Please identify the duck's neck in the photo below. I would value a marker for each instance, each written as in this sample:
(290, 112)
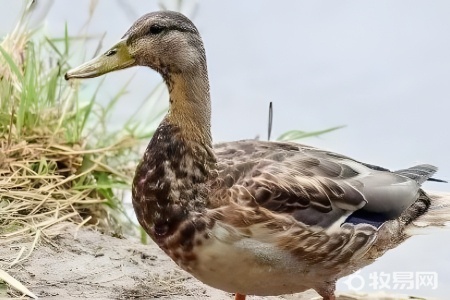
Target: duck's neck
(170, 180)
(190, 105)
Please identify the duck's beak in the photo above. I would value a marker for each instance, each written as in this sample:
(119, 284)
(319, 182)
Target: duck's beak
(116, 58)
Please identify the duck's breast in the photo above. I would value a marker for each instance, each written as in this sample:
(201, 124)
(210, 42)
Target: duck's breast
(233, 262)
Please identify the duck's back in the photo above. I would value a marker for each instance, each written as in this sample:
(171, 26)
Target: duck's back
(314, 186)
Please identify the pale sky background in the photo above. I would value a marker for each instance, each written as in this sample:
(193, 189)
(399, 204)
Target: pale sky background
(380, 67)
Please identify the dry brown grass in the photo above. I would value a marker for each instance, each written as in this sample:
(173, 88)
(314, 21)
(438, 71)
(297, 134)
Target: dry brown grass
(43, 183)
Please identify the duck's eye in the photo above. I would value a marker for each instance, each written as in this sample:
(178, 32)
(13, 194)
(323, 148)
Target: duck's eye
(155, 29)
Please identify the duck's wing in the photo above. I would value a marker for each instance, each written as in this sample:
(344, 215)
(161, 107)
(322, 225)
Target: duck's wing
(316, 187)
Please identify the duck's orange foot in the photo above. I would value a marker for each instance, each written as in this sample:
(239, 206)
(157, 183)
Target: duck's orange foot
(239, 297)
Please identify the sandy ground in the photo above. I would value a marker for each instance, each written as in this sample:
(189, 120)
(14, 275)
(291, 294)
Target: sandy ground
(86, 264)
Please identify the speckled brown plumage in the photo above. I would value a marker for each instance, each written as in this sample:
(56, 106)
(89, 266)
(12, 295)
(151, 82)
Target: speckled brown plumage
(255, 217)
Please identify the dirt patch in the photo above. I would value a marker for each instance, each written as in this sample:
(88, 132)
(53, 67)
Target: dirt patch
(85, 264)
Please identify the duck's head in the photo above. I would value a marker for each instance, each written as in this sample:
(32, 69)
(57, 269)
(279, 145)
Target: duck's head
(166, 41)
(169, 43)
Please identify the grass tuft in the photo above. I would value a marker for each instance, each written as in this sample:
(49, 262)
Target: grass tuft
(59, 161)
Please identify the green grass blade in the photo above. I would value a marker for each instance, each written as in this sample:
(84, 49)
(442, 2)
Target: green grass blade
(14, 68)
(293, 135)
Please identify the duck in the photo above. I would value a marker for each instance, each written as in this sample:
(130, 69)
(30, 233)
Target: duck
(255, 217)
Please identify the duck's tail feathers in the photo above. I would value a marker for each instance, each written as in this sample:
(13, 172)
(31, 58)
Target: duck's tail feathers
(419, 173)
(437, 215)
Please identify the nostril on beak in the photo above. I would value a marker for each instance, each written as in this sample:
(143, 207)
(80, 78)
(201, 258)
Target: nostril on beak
(111, 52)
